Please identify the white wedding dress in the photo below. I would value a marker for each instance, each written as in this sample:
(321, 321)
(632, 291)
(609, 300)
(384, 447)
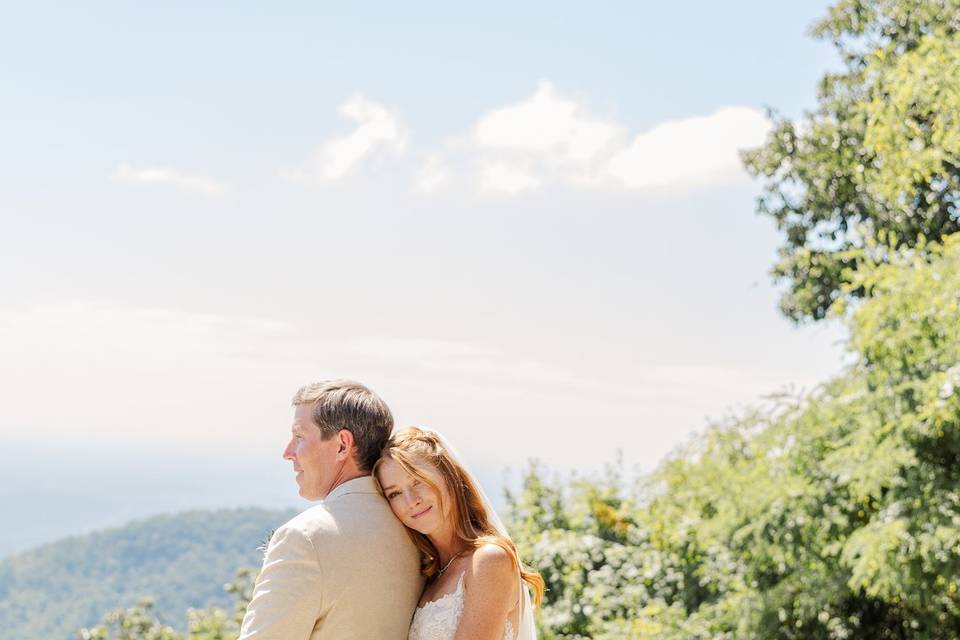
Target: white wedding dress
(438, 619)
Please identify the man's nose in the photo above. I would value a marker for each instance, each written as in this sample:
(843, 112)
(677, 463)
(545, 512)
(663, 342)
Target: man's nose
(288, 451)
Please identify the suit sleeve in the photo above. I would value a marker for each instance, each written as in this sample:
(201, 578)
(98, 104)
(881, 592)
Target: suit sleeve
(286, 600)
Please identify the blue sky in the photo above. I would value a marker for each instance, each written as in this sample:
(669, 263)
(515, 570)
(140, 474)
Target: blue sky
(524, 226)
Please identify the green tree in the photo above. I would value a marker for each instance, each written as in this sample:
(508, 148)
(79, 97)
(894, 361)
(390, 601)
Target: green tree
(141, 623)
(878, 159)
(837, 515)
(832, 515)
(583, 537)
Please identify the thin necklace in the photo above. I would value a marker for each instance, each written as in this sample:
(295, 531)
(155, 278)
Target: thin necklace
(440, 573)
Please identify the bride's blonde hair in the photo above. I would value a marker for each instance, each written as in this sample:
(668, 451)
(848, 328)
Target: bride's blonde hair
(412, 448)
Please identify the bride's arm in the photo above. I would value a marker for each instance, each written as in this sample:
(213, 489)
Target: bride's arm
(491, 592)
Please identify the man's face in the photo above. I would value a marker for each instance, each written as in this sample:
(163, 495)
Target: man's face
(314, 459)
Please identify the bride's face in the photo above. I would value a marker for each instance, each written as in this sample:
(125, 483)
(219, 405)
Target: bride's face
(415, 503)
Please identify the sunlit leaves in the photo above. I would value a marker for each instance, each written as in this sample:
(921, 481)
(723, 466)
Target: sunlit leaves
(878, 159)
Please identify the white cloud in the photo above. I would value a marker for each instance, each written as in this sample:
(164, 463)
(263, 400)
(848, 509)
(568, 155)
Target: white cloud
(377, 129)
(432, 175)
(509, 179)
(692, 152)
(548, 125)
(548, 139)
(165, 175)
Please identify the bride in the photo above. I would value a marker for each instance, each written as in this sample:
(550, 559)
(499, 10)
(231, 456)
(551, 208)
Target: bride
(476, 586)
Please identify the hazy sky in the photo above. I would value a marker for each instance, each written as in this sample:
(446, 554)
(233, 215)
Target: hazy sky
(524, 226)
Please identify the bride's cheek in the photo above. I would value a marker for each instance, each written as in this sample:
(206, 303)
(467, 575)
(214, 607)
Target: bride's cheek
(393, 508)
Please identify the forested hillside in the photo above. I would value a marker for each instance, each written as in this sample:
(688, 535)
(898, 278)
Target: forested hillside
(181, 561)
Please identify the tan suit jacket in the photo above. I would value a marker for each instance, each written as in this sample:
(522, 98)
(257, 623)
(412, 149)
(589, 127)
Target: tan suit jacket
(344, 569)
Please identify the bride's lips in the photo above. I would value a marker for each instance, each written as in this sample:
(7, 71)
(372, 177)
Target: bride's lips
(417, 515)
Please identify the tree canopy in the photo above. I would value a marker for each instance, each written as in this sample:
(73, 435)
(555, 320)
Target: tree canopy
(827, 516)
(877, 160)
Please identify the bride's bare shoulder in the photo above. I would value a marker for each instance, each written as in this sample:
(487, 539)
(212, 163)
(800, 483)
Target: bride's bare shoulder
(491, 588)
(491, 566)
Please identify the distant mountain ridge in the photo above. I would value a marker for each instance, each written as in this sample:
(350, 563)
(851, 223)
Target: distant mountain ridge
(181, 560)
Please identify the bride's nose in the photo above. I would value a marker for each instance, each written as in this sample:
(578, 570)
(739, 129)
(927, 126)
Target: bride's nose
(413, 498)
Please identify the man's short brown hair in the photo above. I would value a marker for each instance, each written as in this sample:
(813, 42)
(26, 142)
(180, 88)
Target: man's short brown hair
(345, 404)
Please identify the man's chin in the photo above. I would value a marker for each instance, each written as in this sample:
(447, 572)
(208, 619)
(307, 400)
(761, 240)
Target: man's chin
(306, 494)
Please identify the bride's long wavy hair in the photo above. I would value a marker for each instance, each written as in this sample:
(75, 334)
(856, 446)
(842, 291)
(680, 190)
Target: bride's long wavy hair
(412, 448)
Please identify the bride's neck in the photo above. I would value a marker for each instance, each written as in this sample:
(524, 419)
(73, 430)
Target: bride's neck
(447, 546)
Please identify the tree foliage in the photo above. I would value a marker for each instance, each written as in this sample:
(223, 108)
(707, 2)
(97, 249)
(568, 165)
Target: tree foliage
(213, 623)
(832, 515)
(878, 159)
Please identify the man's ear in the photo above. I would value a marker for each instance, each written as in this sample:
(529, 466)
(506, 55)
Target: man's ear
(346, 443)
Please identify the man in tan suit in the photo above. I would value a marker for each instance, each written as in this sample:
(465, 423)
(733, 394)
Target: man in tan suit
(344, 569)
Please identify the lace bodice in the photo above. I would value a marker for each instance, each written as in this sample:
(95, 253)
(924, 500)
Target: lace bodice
(438, 619)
